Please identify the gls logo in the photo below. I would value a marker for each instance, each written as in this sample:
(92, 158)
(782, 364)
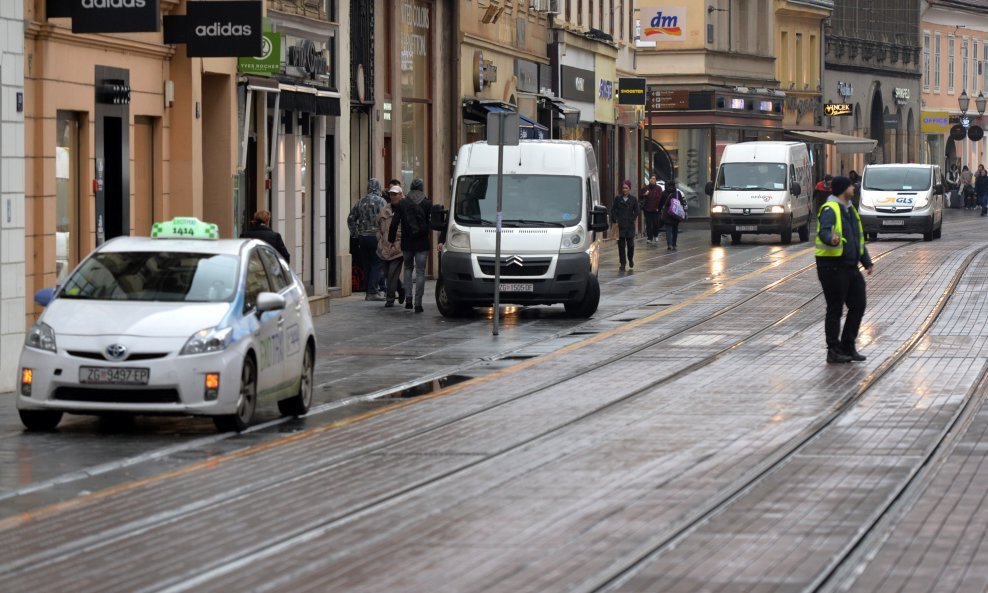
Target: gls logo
(217, 29)
(113, 3)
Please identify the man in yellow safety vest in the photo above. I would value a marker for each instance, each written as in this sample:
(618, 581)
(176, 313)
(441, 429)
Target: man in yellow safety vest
(840, 250)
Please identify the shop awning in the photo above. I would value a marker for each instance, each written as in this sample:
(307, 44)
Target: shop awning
(306, 99)
(477, 110)
(570, 114)
(531, 130)
(845, 144)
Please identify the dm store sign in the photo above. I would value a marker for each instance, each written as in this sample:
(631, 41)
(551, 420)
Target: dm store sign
(664, 23)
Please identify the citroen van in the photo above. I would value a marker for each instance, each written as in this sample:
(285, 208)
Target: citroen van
(550, 225)
(902, 199)
(762, 188)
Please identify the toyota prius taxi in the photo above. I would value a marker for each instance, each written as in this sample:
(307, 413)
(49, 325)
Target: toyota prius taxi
(178, 323)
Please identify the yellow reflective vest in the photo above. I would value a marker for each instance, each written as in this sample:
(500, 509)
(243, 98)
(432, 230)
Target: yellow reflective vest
(824, 250)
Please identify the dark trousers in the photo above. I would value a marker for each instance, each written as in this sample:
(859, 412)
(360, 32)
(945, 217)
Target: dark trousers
(371, 263)
(842, 285)
(392, 273)
(626, 244)
(672, 232)
(652, 220)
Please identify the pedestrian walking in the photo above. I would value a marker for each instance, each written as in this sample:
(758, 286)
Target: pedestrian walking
(412, 217)
(981, 189)
(953, 185)
(260, 228)
(363, 224)
(624, 213)
(673, 211)
(651, 195)
(821, 191)
(840, 250)
(967, 188)
(390, 252)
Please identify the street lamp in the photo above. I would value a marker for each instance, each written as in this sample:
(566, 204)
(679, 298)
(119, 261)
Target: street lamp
(964, 101)
(980, 103)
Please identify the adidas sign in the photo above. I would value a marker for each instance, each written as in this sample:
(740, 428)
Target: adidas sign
(214, 30)
(114, 3)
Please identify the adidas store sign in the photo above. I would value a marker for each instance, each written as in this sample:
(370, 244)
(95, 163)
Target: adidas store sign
(223, 29)
(115, 16)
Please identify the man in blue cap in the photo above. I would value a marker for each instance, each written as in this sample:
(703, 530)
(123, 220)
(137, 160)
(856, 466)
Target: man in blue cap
(840, 250)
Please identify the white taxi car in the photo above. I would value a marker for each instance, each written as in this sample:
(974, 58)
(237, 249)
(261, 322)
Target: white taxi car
(179, 323)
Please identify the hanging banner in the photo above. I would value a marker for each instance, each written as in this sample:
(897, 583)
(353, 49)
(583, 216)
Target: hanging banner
(115, 16)
(231, 28)
(631, 91)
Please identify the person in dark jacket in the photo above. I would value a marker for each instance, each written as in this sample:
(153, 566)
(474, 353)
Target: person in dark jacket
(981, 188)
(840, 250)
(624, 213)
(671, 224)
(260, 228)
(651, 194)
(412, 216)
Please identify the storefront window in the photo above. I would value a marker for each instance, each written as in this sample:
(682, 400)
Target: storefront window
(683, 155)
(66, 193)
(415, 23)
(414, 142)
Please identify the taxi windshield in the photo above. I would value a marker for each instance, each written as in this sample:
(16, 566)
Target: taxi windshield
(154, 276)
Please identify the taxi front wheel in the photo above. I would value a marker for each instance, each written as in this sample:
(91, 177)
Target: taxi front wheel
(298, 404)
(40, 419)
(246, 401)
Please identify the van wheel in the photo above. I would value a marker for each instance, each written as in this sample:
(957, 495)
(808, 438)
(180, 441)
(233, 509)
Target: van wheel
(787, 233)
(928, 236)
(448, 307)
(804, 232)
(735, 238)
(938, 233)
(714, 238)
(40, 420)
(871, 236)
(591, 299)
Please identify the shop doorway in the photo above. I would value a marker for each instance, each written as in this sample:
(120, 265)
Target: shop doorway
(112, 143)
(878, 126)
(116, 213)
(146, 208)
(330, 205)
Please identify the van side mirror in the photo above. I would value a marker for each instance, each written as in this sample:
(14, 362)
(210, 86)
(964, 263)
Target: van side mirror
(938, 188)
(598, 219)
(795, 189)
(438, 217)
(709, 188)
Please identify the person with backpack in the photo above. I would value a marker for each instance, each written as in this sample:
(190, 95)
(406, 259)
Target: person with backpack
(412, 216)
(624, 213)
(362, 222)
(390, 252)
(673, 210)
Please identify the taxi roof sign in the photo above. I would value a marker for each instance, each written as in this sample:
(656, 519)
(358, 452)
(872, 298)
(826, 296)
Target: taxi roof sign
(185, 227)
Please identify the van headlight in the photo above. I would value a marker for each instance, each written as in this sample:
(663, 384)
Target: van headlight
(867, 202)
(208, 340)
(718, 209)
(776, 210)
(41, 336)
(459, 240)
(572, 240)
(922, 201)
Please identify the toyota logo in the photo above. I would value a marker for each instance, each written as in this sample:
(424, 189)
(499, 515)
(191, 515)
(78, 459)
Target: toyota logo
(116, 352)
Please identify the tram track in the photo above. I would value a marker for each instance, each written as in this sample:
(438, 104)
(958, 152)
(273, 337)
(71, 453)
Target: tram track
(788, 451)
(124, 531)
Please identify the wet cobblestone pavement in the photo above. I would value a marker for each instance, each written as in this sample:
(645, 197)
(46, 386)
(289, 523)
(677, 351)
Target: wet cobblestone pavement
(690, 437)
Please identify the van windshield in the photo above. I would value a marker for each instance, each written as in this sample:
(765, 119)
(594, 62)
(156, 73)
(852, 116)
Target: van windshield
(897, 178)
(763, 176)
(527, 200)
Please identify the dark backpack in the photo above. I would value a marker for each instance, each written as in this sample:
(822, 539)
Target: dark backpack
(415, 219)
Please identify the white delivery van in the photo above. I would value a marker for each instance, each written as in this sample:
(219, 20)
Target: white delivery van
(550, 223)
(902, 199)
(762, 188)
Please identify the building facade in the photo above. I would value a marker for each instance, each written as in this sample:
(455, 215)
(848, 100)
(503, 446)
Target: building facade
(12, 211)
(711, 70)
(954, 62)
(872, 71)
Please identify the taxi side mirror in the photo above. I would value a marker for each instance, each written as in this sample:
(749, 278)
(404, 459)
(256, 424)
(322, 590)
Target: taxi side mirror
(270, 301)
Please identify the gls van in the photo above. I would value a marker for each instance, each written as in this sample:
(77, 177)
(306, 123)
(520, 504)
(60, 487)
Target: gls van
(551, 217)
(902, 199)
(762, 188)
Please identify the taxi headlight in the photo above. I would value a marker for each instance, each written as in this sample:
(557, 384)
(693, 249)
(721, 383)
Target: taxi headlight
(572, 240)
(458, 240)
(718, 209)
(41, 336)
(208, 340)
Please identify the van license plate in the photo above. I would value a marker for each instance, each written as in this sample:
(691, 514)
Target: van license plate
(894, 222)
(113, 376)
(517, 287)
(746, 228)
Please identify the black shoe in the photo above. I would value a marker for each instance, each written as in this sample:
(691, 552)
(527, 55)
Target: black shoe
(401, 294)
(835, 356)
(419, 309)
(631, 263)
(408, 304)
(389, 304)
(854, 355)
(621, 269)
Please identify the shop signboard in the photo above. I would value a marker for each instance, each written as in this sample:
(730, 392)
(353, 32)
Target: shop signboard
(935, 122)
(269, 60)
(838, 109)
(632, 91)
(663, 23)
(527, 74)
(660, 99)
(231, 28)
(958, 132)
(115, 16)
(578, 84)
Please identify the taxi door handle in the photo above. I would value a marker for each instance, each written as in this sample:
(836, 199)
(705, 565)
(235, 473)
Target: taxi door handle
(281, 321)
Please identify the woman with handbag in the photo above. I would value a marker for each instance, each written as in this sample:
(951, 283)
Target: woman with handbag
(673, 212)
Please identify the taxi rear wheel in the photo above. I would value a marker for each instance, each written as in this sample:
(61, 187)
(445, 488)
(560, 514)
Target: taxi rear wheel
(298, 404)
(246, 402)
(40, 419)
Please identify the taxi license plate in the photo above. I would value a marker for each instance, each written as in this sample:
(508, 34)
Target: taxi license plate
(894, 222)
(113, 376)
(517, 287)
(741, 228)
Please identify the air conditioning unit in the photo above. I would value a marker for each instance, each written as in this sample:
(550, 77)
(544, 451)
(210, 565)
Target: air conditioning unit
(549, 6)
